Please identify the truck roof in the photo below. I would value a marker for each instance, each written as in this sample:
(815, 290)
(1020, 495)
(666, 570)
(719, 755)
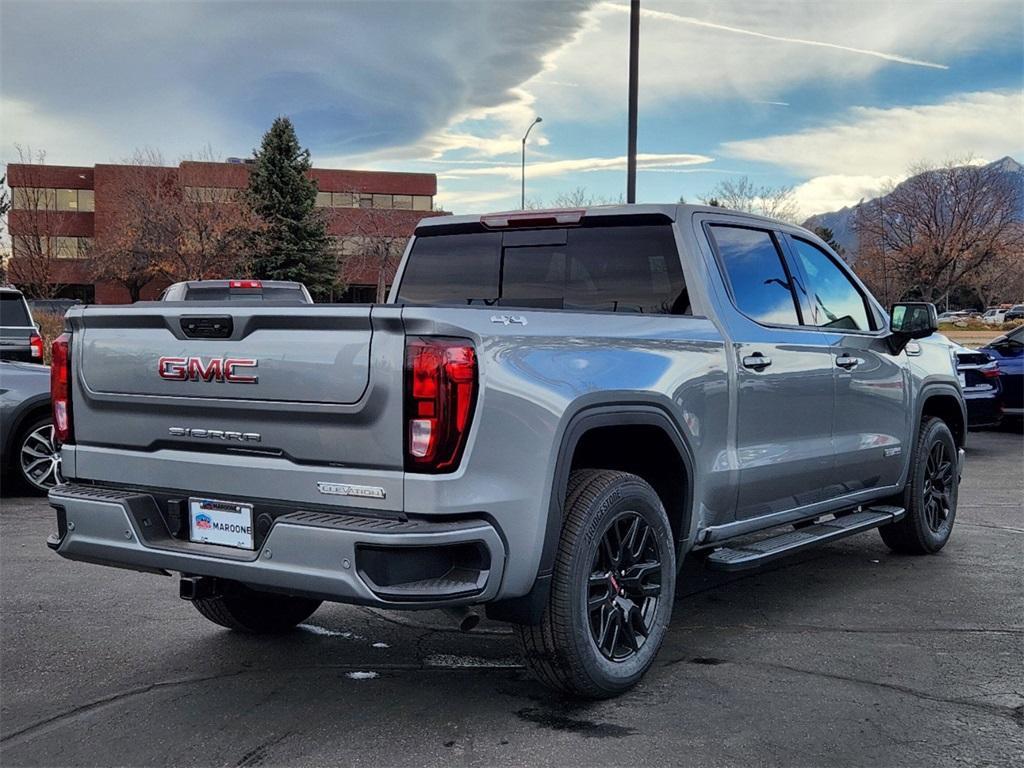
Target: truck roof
(671, 211)
(226, 282)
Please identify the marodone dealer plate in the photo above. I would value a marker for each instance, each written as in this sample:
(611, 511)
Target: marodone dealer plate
(226, 523)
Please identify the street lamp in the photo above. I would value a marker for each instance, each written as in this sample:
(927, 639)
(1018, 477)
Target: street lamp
(523, 186)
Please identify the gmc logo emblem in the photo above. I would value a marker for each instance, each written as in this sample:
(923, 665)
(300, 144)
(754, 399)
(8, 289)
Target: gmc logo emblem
(214, 369)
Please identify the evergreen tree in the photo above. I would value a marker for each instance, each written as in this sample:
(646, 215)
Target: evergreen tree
(292, 244)
(826, 234)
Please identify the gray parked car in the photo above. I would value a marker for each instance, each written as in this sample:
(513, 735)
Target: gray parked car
(553, 409)
(237, 290)
(19, 336)
(28, 454)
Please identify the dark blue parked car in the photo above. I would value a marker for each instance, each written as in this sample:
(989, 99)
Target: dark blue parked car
(980, 382)
(1008, 351)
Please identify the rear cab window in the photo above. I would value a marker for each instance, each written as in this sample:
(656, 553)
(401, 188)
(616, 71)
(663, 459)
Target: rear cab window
(14, 311)
(612, 268)
(267, 293)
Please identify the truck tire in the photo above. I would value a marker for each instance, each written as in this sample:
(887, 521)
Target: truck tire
(930, 496)
(611, 592)
(259, 613)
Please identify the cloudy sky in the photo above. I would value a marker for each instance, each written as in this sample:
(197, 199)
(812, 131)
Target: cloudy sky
(830, 97)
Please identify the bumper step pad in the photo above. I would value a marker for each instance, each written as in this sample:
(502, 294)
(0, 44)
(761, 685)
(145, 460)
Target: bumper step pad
(740, 557)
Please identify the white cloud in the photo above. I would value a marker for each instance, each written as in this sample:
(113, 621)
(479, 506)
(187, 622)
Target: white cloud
(580, 165)
(835, 191)
(463, 201)
(734, 49)
(871, 141)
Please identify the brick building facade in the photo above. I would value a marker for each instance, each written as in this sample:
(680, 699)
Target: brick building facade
(70, 210)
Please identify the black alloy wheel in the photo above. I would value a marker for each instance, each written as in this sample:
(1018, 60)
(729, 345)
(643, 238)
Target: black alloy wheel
(937, 486)
(624, 587)
(611, 590)
(930, 496)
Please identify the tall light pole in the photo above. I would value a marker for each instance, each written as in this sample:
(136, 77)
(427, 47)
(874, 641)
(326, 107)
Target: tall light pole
(634, 76)
(522, 202)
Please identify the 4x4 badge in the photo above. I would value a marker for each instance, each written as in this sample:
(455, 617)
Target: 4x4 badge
(508, 319)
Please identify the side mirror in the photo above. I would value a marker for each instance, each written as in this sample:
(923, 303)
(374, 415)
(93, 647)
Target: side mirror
(911, 320)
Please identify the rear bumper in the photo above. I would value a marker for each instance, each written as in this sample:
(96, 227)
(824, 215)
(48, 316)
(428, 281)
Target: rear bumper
(342, 557)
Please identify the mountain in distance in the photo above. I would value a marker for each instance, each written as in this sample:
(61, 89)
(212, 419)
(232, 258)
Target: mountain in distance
(841, 221)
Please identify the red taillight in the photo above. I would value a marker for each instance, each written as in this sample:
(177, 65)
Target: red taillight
(60, 388)
(440, 392)
(245, 284)
(990, 373)
(36, 343)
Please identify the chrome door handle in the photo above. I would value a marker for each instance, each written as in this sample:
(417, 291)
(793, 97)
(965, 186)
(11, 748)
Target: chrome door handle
(756, 361)
(848, 362)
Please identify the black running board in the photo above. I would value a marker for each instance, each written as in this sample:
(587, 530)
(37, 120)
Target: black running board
(742, 556)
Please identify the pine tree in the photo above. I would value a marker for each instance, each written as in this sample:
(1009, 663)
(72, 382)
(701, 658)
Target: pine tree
(292, 244)
(826, 234)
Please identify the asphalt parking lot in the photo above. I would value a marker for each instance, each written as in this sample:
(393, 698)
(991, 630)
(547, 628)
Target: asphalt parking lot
(846, 656)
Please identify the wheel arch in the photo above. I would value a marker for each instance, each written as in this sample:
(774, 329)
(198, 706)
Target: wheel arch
(34, 408)
(944, 401)
(587, 431)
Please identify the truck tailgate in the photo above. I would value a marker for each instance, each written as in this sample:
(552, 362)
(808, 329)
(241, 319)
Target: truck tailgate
(316, 387)
(302, 357)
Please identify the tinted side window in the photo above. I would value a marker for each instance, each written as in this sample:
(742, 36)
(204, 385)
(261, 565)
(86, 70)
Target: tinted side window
(834, 301)
(452, 269)
(758, 279)
(13, 312)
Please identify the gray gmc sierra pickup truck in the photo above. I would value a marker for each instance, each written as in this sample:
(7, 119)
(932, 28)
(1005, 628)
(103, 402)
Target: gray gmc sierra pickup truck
(552, 410)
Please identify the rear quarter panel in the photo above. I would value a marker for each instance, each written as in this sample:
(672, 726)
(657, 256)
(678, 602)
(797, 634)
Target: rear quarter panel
(540, 370)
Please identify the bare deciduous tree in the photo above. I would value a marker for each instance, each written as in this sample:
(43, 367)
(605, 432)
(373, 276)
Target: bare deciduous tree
(372, 248)
(743, 195)
(165, 229)
(136, 238)
(37, 247)
(5, 207)
(580, 197)
(999, 279)
(939, 230)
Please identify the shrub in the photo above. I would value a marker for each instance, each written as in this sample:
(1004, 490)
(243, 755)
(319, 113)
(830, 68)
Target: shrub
(51, 324)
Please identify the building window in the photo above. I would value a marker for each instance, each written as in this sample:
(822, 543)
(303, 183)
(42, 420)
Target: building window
(71, 247)
(35, 199)
(50, 199)
(377, 200)
(67, 199)
(30, 246)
